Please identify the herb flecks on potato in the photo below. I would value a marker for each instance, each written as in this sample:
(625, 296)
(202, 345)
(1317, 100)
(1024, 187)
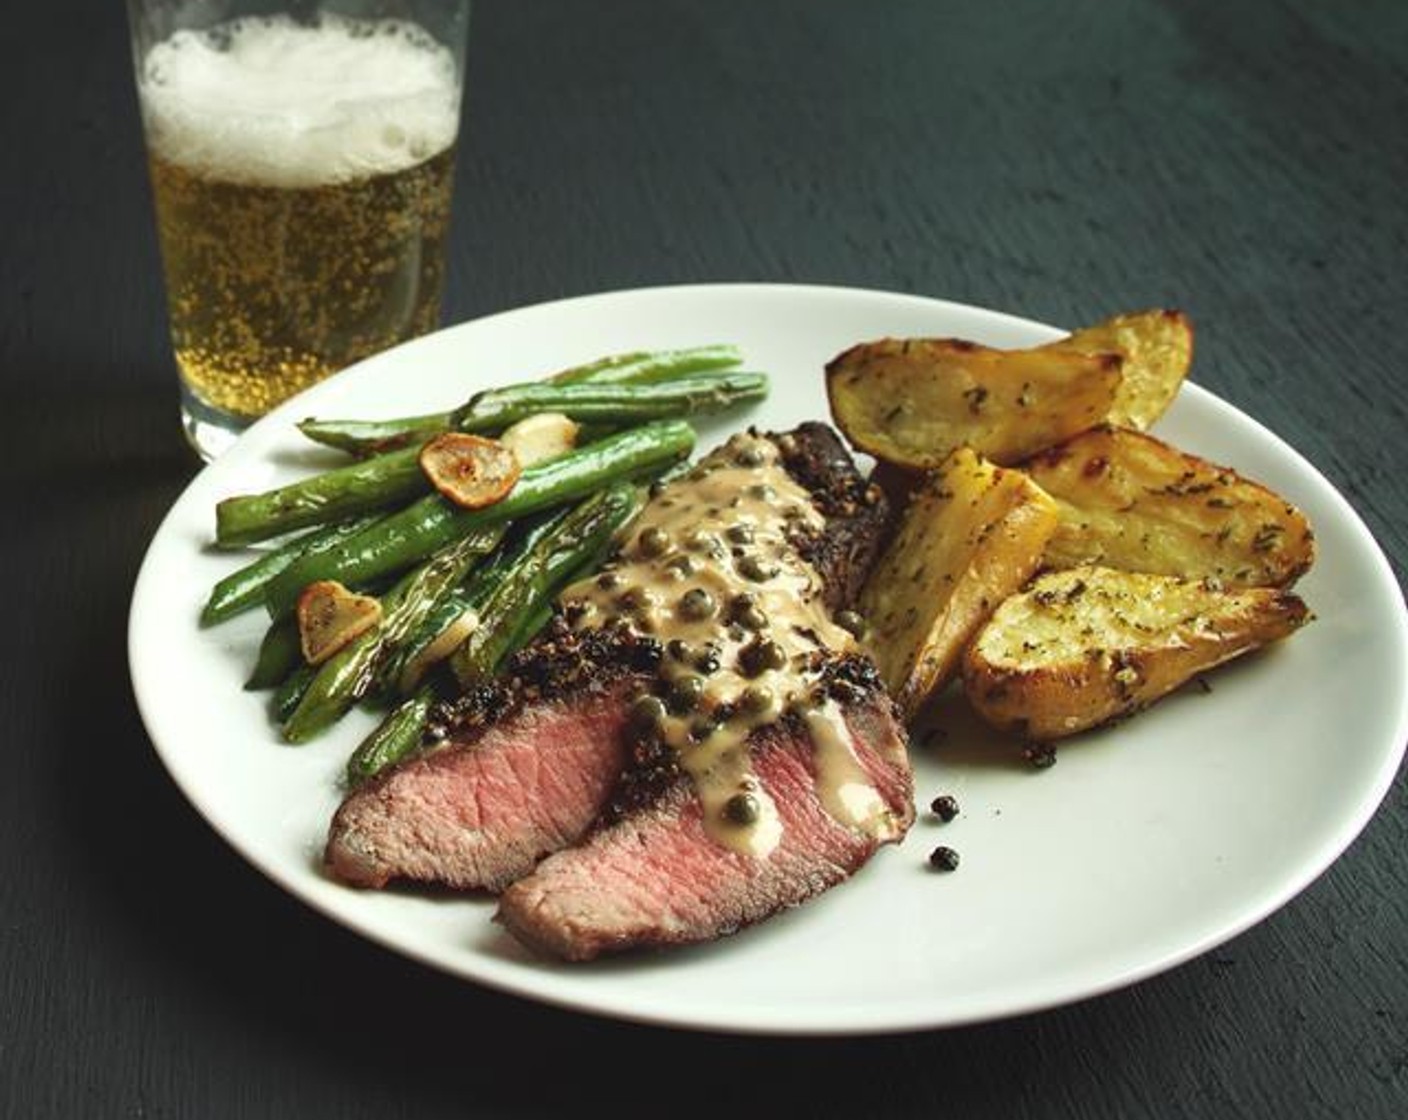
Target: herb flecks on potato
(911, 402)
(1131, 501)
(971, 535)
(1156, 348)
(1089, 645)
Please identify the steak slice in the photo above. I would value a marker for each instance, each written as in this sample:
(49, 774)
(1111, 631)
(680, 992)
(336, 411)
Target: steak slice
(526, 772)
(528, 764)
(655, 877)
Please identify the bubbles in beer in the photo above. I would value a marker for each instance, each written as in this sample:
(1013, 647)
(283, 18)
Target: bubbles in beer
(301, 175)
(278, 103)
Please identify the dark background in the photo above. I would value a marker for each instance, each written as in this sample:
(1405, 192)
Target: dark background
(1244, 161)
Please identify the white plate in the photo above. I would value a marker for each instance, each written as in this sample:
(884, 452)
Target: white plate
(1145, 845)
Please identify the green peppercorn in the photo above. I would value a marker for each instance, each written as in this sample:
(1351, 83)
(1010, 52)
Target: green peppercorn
(756, 699)
(752, 617)
(707, 660)
(742, 809)
(762, 491)
(750, 567)
(685, 694)
(759, 657)
(646, 718)
(852, 622)
(679, 649)
(682, 565)
(653, 541)
(740, 534)
(772, 656)
(749, 457)
(608, 581)
(696, 604)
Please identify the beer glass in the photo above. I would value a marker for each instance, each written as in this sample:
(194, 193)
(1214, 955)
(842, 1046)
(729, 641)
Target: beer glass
(301, 157)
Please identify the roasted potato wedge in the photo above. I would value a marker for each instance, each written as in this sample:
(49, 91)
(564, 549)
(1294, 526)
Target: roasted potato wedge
(1156, 348)
(1089, 645)
(1131, 501)
(912, 401)
(971, 535)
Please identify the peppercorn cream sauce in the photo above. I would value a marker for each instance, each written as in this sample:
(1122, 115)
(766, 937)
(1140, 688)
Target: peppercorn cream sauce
(709, 571)
(845, 789)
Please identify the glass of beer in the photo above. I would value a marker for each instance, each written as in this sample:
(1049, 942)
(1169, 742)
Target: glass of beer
(301, 157)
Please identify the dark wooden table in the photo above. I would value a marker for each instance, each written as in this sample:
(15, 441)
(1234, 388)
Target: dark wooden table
(1245, 161)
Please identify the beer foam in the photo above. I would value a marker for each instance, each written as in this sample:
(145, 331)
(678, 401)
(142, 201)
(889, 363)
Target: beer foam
(271, 101)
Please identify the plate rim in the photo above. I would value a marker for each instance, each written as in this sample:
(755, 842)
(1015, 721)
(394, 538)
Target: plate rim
(537, 986)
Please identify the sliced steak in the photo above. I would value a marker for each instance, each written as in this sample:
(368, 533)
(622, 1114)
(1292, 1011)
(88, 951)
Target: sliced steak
(526, 766)
(656, 877)
(525, 772)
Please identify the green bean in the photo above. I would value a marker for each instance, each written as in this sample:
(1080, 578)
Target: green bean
(347, 675)
(397, 736)
(279, 654)
(495, 409)
(373, 484)
(290, 693)
(403, 670)
(644, 366)
(243, 589)
(373, 437)
(403, 538)
(544, 558)
(369, 437)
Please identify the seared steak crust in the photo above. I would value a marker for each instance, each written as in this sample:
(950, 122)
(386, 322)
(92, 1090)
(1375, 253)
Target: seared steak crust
(855, 510)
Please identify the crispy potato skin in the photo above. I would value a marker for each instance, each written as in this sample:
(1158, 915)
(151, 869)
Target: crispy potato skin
(1131, 501)
(1157, 350)
(971, 535)
(911, 402)
(1089, 645)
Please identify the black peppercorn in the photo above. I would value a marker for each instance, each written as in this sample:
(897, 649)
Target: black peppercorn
(943, 859)
(631, 600)
(1042, 756)
(945, 807)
